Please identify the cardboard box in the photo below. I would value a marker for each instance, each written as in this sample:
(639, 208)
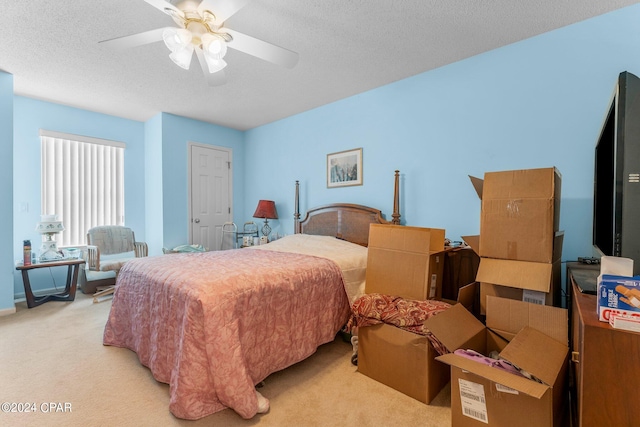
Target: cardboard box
(533, 338)
(401, 360)
(618, 295)
(532, 282)
(520, 213)
(406, 361)
(468, 297)
(405, 261)
(507, 317)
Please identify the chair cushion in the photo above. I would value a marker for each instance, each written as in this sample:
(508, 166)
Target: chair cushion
(114, 262)
(92, 275)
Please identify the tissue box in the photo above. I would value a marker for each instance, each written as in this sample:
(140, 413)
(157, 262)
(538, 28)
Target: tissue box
(72, 253)
(618, 295)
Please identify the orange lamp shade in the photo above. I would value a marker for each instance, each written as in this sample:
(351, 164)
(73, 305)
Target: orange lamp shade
(266, 209)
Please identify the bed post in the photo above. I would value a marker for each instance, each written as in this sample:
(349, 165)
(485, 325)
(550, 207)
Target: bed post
(296, 213)
(396, 200)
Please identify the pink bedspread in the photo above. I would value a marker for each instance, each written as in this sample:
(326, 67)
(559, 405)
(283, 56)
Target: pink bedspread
(214, 324)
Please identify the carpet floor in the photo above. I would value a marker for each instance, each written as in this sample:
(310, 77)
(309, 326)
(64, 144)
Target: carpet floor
(56, 372)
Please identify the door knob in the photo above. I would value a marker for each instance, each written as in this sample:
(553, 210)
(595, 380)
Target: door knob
(197, 220)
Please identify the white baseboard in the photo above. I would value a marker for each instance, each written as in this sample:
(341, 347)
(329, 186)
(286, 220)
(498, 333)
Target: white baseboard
(22, 296)
(7, 311)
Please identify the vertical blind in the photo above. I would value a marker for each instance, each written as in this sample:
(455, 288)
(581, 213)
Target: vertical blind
(82, 183)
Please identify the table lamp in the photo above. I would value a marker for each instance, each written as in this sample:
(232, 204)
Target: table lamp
(48, 226)
(266, 209)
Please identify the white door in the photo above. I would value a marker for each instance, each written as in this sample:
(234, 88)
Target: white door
(210, 194)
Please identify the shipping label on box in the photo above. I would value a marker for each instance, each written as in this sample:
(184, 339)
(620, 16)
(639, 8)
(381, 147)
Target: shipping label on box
(473, 401)
(618, 295)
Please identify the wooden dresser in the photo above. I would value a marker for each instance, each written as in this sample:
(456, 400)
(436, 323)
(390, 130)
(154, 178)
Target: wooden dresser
(605, 365)
(460, 269)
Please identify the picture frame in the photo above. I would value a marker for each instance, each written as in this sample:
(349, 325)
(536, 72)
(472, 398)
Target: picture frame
(344, 168)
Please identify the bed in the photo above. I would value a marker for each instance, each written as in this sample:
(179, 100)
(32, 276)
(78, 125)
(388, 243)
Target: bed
(212, 325)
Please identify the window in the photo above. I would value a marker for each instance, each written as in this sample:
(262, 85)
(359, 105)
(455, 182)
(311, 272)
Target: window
(82, 183)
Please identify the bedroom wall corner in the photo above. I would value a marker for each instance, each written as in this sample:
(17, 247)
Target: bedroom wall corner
(29, 116)
(7, 305)
(176, 133)
(153, 184)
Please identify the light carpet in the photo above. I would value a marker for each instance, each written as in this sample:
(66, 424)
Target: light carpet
(53, 363)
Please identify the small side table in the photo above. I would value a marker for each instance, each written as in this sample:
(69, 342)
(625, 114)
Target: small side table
(69, 293)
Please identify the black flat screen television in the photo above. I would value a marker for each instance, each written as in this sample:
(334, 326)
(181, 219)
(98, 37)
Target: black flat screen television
(616, 197)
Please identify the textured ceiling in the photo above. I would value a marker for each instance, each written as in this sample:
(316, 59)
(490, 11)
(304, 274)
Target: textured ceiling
(346, 47)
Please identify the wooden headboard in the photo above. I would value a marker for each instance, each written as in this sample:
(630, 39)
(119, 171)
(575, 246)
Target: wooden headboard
(344, 220)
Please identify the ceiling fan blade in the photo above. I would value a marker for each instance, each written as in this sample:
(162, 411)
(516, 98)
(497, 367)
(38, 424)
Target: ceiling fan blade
(222, 9)
(261, 49)
(161, 5)
(135, 40)
(213, 79)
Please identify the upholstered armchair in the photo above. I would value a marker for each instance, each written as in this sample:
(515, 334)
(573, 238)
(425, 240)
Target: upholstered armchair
(108, 248)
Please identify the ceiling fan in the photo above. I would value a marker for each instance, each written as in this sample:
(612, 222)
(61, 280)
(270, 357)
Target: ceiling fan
(201, 30)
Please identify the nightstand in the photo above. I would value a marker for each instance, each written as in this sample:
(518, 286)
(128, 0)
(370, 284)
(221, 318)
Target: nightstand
(69, 293)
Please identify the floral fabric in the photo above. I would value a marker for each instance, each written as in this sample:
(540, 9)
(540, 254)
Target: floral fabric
(410, 315)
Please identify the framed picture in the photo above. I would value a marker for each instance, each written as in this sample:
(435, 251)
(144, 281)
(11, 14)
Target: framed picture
(344, 168)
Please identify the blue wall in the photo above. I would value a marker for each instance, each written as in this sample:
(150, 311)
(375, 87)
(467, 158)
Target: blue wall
(6, 189)
(177, 132)
(153, 176)
(155, 173)
(29, 117)
(537, 103)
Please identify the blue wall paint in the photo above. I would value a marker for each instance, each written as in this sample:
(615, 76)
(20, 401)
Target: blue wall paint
(536, 103)
(31, 116)
(153, 184)
(7, 191)
(155, 173)
(177, 132)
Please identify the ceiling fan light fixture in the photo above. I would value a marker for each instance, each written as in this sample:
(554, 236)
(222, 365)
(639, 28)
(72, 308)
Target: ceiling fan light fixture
(176, 14)
(214, 45)
(205, 33)
(214, 64)
(182, 57)
(177, 38)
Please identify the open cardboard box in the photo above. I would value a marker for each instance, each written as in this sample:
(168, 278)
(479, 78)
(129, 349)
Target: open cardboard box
(530, 336)
(520, 245)
(406, 361)
(536, 282)
(520, 213)
(529, 283)
(407, 262)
